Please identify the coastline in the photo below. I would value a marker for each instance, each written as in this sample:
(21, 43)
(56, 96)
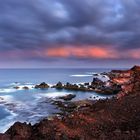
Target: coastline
(114, 118)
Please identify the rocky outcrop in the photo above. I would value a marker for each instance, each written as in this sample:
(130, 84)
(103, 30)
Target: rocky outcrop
(110, 119)
(104, 119)
(75, 87)
(59, 85)
(129, 80)
(42, 86)
(97, 83)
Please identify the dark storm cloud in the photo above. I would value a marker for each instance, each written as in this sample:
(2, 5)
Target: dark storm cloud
(30, 24)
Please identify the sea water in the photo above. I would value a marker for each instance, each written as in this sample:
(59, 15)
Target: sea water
(34, 104)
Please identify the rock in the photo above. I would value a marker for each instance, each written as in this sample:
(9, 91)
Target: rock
(68, 97)
(1, 98)
(97, 83)
(60, 104)
(17, 87)
(59, 85)
(25, 87)
(71, 86)
(19, 131)
(86, 84)
(108, 119)
(95, 74)
(42, 86)
(135, 68)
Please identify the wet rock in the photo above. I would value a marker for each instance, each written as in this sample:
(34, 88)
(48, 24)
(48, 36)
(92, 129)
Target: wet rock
(95, 74)
(97, 83)
(68, 97)
(25, 87)
(65, 107)
(59, 85)
(86, 84)
(42, 86)
(71, 86)
(60, 104)
(16, 87)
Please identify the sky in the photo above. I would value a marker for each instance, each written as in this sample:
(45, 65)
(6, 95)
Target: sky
(69, 33)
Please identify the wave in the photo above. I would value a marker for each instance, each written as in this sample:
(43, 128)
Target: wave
(7, 90)
(8, 121)
(21, 87)
(6, 98)
(53, 94)
(104, 78)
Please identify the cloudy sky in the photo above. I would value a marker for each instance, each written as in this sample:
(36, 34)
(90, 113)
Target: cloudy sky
(69, 33)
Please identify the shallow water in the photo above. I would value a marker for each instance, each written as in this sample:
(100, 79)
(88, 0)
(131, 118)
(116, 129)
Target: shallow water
(34, 104)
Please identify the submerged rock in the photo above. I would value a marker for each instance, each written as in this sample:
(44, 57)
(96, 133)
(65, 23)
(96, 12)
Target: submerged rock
(17, 87)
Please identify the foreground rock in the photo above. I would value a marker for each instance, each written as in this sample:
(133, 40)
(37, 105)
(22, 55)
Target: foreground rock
(105, 119)
(68, 97)
(110, 119)
(42, 86)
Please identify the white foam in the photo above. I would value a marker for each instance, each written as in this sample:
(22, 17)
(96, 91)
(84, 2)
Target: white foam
(104, 78)
(7, 122)
(53, 94)
(21, 87)
(81, 75)
(91, 73)
(14, 84)
(7, 98)
(7, 90)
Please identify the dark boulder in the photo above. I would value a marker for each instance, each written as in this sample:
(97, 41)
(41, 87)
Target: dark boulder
(97, 83)
(135, 68)
(16, 87)
(42, 86)
(68, 97)
(71, 86)
(25, 87)
(59, 85)
(20, 131)
(86, 84)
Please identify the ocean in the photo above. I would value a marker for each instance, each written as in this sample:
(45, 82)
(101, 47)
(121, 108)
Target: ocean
(34, 104)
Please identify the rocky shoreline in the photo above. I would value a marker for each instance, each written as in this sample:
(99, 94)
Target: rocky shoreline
(117, 118)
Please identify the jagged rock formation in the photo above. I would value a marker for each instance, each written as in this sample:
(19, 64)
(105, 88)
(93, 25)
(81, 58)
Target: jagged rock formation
(110, 119)
(42, 86)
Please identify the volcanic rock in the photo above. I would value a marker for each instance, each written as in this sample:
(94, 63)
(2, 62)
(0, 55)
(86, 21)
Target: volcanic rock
(25, 87)
(42, 86)
(59, 85)
(110, 119)
(17, 87)
(68, 97)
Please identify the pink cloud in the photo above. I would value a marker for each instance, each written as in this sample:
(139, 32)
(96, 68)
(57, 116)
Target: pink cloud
(82, 52)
